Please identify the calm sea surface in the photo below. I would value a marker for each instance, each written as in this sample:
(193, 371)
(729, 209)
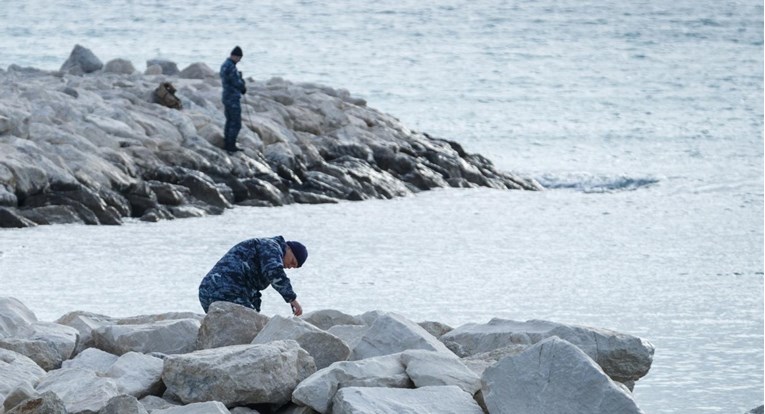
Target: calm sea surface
(644, 119)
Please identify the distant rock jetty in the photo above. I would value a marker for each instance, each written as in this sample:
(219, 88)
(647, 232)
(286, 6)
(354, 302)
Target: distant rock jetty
(235, 360)
(89, 144)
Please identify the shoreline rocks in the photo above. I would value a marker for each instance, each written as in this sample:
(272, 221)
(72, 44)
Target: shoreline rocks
(240, 361)
(88, 144)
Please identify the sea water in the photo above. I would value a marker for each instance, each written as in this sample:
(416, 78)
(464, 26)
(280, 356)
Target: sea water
(644, 120)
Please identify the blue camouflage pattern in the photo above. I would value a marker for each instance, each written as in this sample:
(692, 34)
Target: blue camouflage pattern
(244, 271)
(233, 87)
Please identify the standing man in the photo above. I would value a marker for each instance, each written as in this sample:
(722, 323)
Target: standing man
(250, 267)
(233, 88)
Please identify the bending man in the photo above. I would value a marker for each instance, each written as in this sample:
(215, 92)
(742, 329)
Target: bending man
(250, 267)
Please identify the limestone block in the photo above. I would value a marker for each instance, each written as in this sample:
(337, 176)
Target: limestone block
(137, 374)
(80, 389)
(553, 376)
(324, 347)
(168, 337)
(392, 333)
(17, 369)
(123, 404)
(429, 368)
(435, 400)
(243, 374)
(228, 323)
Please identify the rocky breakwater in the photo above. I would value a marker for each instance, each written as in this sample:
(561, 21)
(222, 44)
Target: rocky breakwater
(235, 360)
(89, 144)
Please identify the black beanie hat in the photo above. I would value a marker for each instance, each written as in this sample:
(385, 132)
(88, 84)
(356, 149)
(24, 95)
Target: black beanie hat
(237, 51)
(300, 252)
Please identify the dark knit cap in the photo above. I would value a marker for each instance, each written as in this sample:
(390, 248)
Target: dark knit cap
(237, 51)
(300, 252)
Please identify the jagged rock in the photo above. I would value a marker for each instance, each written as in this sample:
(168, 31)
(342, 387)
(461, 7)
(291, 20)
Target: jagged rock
(151, 403)
(564, 379)
(436, 329)
(392, 333)
(21, 393)
(85, 323)
(10, 218)
(17, 370)
(327, 318)
(93, 359)
(623, 357)
(166, 336)
(80, 389)
(479, 362)
(428, 368)
(169, 68)
(60, 214)
(324, 347)
(81, 61)
(209, 407)
(120, 66)
(123, 404)
(228, 323)
(153, 69)
(241, 374)
(758, 410)
(435, 400)
(137, 374)
(350, 334)
(45, 403)
(48, 344)
(14, 316)
(197, 71)
(318, 390)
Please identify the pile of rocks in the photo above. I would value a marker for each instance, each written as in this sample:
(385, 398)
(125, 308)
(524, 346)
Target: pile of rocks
(88, 144)
(236, 360)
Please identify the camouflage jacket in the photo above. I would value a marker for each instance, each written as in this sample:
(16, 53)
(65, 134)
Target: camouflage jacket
(250, 267)
(233, 84)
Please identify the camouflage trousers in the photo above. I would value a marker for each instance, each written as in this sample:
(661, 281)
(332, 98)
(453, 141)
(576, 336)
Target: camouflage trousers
(207, 296)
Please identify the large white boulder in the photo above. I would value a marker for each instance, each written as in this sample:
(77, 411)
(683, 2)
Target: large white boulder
(209, 407)
(327, 318)
(85, 323)
(391, 333)
(80, 389)
(324, 347)
(350, 334)
(48, 344)
(318, 390)
(14, 316)
(93, 359)
(243, 374)
(623, 357)
(429, 368)
(137, 374)
(553, 376)
(435, 400)
(165, 336)
(17, 369)
(228, 323)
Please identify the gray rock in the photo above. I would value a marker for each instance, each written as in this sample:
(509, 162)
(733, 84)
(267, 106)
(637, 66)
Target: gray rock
(123, 404)
(10, 218)
(324, 347)
(169, 68)
(564, 379)
(80, 389)
(228, 323)
(758, 410)
(23, 392)
(327, 318)
(350, 334)
(622, 357)
(152, 70)
(137, 374)
(14, 317)
(48, 344)
(85, 323)
(209, 407)
(318, 390)
(45, 403)
(197, 71)
(428, 368)
(392, 333)
(151, 403)
(81, 61)
(17, 370)
(479, 362)
(436, 329)
(288, 409)
(245, 410)
(168, 337)
(435, 400)
(93, 359)
(119, 66)
(241, 374)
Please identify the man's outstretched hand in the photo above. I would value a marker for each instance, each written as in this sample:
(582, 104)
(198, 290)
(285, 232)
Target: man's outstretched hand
(297, 310)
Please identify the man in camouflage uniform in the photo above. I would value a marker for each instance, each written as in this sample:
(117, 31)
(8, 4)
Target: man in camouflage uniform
(250, 267)
(233, 88)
